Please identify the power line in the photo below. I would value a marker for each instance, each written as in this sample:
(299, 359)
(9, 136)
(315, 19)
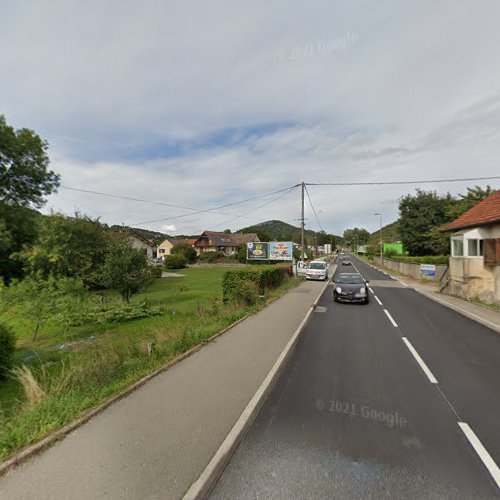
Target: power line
(257, 208)
(216, 208)
(385, 183)
(129, 198)
(314, 210)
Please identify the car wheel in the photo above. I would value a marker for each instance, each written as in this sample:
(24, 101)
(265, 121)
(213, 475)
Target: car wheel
(367, 300)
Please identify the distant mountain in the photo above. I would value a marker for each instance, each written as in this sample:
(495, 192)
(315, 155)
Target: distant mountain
(155, 236)
(390, 233)
(282, 231)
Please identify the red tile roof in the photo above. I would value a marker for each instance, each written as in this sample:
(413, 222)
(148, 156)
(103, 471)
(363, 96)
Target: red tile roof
(485, 212)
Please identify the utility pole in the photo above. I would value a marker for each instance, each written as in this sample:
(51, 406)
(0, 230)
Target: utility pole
(302, 220)
(381, 240)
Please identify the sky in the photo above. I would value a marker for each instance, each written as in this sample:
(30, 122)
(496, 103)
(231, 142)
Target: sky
(205, 104)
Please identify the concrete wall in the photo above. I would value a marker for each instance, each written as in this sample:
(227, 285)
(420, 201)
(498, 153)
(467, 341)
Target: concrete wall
(411, 269)
(470, 278)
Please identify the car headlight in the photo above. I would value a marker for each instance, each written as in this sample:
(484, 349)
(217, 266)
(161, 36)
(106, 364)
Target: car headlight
(338, 289)
(362, 290)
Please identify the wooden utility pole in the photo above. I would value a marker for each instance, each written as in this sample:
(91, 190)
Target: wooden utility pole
(302, 221)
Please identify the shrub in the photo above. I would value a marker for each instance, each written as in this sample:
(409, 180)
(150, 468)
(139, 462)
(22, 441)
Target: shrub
(156, 272)
(427, 259)
(7, 346)
(187, 251)
(209, 256)
(265, 277)
(174, 262)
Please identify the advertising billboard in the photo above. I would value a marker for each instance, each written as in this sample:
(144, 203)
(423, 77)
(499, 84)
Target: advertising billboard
(257, 251)
(281, 250)
(428, 269)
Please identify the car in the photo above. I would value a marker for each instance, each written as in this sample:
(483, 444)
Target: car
(317, 270)
(350, 287)
(345, 261)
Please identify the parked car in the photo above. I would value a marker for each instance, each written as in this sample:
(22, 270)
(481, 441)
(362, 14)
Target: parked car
(317, 270)
(345, 261)
(350, 287)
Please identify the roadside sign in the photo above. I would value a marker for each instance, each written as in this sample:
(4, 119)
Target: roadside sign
(257, 251)
(281, 250)
(428, 269)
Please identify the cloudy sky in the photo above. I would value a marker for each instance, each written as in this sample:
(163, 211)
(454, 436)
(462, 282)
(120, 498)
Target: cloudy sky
(204, 104)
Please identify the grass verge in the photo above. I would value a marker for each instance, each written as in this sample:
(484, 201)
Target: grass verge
(58, 388)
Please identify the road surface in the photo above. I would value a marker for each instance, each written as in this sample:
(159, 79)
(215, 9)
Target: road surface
(398, 398)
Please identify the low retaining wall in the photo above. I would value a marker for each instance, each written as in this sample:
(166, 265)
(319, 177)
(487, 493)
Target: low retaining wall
(411, 269)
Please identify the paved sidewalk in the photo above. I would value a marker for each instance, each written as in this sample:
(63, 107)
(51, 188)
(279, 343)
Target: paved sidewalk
(481, 314)
(154, 443)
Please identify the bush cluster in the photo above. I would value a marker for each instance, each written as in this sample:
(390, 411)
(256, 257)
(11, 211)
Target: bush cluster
(7, 346)
(427, 259)
(235, 282)
(209, 256)
(174, 262)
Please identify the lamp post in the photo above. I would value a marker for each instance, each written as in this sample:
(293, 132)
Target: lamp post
(381, 240)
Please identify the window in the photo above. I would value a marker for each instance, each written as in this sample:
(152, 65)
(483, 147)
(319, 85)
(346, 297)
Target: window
(474, 248)
(162, 250)
(457, 246)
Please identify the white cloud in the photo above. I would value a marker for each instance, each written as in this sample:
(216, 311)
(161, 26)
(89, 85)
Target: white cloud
(168, 228)
(133, 99)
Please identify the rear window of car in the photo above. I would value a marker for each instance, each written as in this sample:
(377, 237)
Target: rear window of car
(317, 265)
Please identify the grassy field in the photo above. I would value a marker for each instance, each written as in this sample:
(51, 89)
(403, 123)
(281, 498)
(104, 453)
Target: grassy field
(77, 369)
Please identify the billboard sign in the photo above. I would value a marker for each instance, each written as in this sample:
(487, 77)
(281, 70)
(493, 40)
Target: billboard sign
(428, 269)
(281, 250)
(257, 251)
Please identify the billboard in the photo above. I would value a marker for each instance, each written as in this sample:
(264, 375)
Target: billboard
(257, 251)
(281, 250)
(428, 269)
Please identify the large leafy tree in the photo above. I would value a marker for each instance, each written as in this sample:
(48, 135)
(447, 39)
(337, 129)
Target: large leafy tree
(356, 236)
(25, 177)
(421, 216)
(466, 201)
(186, 251)
(18, 228)
(68, 246)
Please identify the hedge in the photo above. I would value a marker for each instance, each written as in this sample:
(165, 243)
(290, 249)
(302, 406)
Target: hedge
(266, 277)
(174, 262)
(427, 259)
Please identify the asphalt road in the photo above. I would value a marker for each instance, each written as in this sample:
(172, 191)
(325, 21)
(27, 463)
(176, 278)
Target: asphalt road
(376, 404)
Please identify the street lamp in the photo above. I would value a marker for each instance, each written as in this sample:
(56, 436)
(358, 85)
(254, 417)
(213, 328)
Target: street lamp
(381, 240)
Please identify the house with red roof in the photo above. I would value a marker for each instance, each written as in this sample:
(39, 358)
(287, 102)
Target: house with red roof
(475, 251)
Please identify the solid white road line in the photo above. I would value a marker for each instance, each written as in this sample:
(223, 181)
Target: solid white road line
(378, 300)
(390, 318)
(420, 361)
(481, 451)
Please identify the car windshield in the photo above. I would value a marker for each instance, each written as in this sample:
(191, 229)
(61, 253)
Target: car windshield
(350, 280)
(317, 265)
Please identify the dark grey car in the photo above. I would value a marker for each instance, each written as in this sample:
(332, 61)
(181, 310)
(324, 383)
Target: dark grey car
(350, 287)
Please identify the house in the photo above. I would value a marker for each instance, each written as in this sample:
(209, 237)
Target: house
(475, 251)
(228, 244)
(165, 247)
(140, 243)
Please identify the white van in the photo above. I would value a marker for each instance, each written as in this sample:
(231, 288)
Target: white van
(317, 270)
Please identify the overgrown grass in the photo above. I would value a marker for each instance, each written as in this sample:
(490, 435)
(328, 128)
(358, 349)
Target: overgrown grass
(55, 386)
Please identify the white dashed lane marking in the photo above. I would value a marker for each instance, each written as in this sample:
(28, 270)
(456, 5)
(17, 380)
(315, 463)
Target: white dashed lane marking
(420, 361)
(485, 457)
(388, 314)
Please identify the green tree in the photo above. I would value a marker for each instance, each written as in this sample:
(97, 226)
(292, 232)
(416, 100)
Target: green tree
(185, 250)
(25, 177)
(421, 216)
(68, 246)
(356, 236)
(227, 231)
(18, 228)
(125, 269)
(467, 201)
